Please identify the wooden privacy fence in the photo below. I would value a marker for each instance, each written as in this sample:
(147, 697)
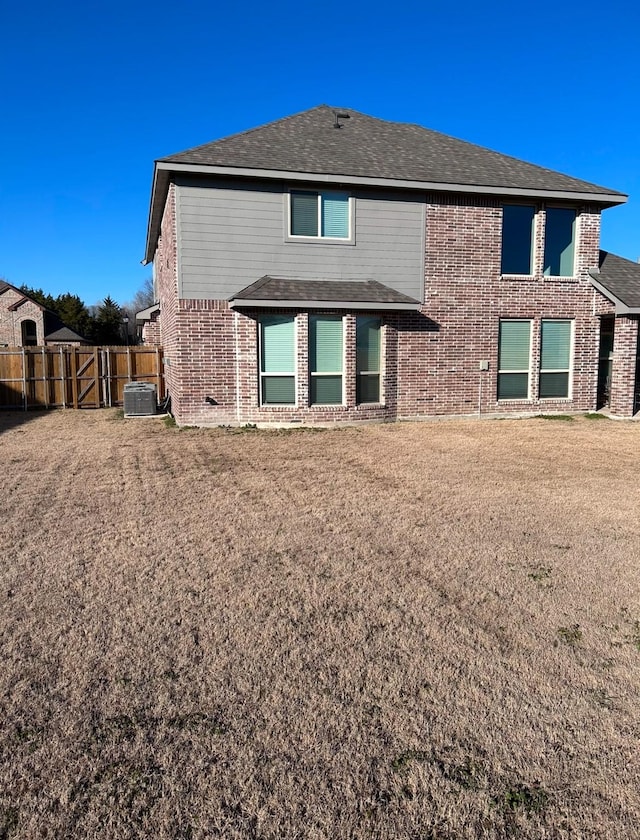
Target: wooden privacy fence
(75, 377)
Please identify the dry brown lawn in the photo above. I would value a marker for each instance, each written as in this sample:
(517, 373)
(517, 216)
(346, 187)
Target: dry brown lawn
(406, 631)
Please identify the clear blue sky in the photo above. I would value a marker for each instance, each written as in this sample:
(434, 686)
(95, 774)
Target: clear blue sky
(93, 93)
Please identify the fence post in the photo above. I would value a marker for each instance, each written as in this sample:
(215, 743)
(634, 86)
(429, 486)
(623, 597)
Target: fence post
(107, 351)
(63, 366)
(74, 376)
(96, 376)
(24, 377)
(45, 378)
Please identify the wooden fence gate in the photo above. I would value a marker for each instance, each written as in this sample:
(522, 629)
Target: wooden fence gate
(75, 377)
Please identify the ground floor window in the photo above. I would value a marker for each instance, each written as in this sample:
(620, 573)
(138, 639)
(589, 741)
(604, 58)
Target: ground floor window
(514, 360)
(368, 331)
(326, 359)
(555, 359)
(277, 360)
(515, 352)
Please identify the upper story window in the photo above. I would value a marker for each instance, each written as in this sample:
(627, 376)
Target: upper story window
(517, 238)
(519, 253)
(559, 241)
(320, 215)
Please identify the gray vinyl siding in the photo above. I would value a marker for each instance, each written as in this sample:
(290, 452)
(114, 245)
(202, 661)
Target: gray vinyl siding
(230, 236)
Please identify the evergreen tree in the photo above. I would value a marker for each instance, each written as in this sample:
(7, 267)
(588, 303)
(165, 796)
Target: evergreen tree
(44, 299)
(108, 324)
(73, 312)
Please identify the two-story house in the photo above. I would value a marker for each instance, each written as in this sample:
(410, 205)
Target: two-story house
(331, 266)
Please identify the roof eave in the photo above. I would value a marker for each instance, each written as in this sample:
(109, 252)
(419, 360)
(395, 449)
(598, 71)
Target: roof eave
(608, 199)
(159, 191)
(266, 303)
(621, 308)
(164, 168)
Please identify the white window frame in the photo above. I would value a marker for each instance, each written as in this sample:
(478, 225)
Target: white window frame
(340, 373)
(542, 370)
(528, 398)
(333, 240)
(262, 374)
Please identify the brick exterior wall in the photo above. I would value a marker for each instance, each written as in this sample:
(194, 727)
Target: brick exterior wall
(431, 358)
(625, 364)
(11, 320)
(166, 278)
(151, 334)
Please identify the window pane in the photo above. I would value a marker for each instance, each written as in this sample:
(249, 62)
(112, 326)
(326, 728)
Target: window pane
(517, 238)
(514, 345)
(326, 390)
(304, 214)
(278, 352)
(513, 386)
(278, 390)
(559, 242)
(556, 345)
(554, 385)
(325, 344)
(367, 344)
(335, 216)
(368, 388)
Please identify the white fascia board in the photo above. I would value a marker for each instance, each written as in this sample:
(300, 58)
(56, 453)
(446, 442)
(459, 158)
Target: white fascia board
(428, 186)
(240, 303)
(145, 314)
(152, 225)
(621, 307)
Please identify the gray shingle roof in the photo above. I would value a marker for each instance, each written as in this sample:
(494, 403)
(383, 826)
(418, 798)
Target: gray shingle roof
(369, 147)
(64, 334)
(620, 278)
(353, 292)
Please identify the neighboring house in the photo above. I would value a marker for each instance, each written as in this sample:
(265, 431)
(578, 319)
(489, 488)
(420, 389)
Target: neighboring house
(148, 325)
(24, 322)
(331, 266)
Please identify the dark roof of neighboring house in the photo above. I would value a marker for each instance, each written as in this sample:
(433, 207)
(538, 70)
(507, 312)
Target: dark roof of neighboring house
(64, 334)
(366, 294)
(619, 280)
(57, 330)
(370, 151)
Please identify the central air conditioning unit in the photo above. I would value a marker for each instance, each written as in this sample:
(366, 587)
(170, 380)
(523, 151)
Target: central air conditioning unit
(140, 399)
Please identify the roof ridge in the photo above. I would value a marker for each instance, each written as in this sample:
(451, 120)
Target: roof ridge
(247, 131)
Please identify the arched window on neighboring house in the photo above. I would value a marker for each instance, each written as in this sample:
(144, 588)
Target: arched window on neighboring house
(29, 333)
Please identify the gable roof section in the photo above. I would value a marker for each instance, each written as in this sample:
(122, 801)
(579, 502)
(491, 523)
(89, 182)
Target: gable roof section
(619, 280)
(367, 151)
(314, 294)
(5, 287)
